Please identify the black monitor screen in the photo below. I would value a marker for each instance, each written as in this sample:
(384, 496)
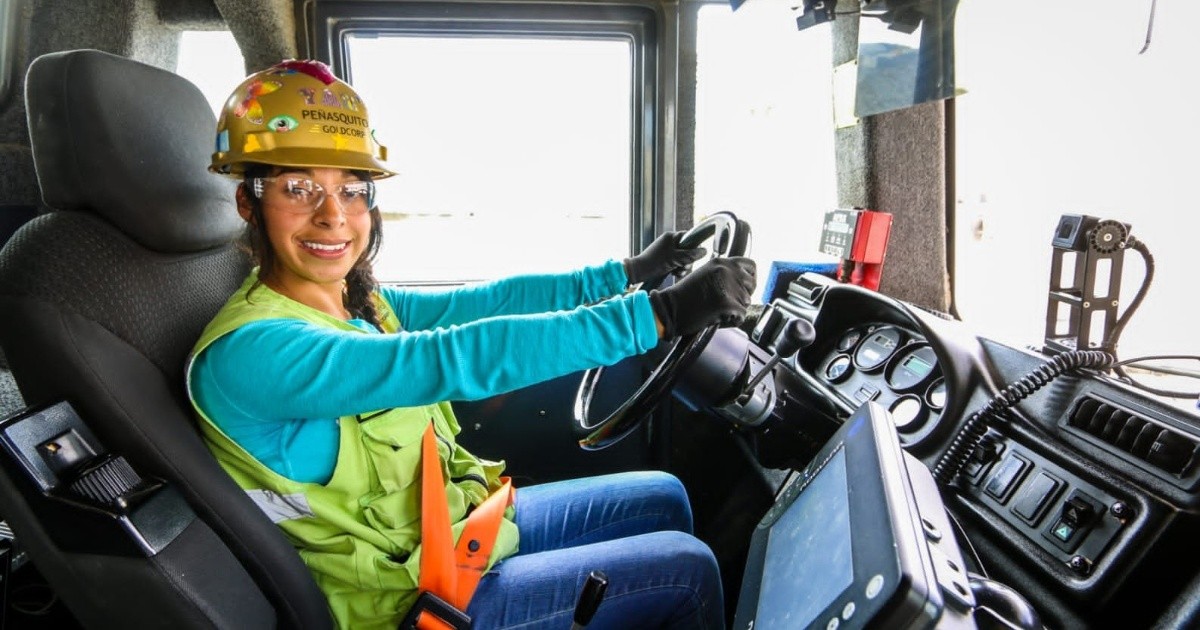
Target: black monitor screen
(844, 545)
(800, 546)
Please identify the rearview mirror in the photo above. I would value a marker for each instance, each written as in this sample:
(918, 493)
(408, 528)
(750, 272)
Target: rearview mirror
(905, 54)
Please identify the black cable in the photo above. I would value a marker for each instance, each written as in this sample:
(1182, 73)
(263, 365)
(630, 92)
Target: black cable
(976, 426)
(1114, 336)
(1119, 369)
(1166, 393)
(1010, 608)
(1160, 357)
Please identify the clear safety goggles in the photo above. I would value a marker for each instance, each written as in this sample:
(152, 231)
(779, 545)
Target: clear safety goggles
(303, 196)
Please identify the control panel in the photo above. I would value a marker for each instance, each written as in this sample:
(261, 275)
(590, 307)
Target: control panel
(1073, 520)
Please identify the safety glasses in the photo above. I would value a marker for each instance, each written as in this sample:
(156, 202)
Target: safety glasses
(301, 195)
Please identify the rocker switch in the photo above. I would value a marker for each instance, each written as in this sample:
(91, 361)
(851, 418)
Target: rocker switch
(1077, 513)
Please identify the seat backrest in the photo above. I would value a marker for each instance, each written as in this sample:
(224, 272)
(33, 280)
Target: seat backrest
(102, 298)
(10, 397)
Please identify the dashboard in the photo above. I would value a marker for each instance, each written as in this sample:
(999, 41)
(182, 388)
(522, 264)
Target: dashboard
(1081, 492)
(890, 365)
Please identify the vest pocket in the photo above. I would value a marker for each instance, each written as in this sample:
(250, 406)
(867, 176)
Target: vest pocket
(397, 515)
(397, 427)
(393, 444)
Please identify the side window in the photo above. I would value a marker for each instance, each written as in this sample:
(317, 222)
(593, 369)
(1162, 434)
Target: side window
(8, 47)
(513, 154)
(765, 127)
(523, 134)
(211, 60)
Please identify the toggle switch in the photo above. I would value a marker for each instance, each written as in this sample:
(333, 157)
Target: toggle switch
(1077, 513)
(1077, 516)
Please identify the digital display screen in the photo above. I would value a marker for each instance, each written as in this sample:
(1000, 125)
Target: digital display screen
(844, 548)
(918, 366)
(877, 348)
(808, 559)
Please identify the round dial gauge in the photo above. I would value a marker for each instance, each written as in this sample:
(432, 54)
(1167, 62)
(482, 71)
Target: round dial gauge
(908, 413)
(838, 368)
(912, 366)
(849, 340)
(936, 397)
(877, 348)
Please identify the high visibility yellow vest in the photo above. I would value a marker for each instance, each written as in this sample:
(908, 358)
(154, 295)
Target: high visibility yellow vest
(360, 533)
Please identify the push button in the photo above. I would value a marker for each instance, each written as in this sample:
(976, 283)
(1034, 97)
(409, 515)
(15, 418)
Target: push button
(1063, 530)
(988, 451)
(1037, 493)
(865, 393)
(1005, 477)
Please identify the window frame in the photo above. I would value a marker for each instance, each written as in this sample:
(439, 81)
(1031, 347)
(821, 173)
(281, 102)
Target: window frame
(652, 181)
(10, 12)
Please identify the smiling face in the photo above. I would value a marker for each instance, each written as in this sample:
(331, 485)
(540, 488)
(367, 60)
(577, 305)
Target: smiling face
(317, 233)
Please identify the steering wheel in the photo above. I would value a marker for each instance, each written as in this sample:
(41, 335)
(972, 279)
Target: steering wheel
(731, 237)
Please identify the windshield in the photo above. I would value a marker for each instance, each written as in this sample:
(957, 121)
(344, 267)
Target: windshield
(1068, 110)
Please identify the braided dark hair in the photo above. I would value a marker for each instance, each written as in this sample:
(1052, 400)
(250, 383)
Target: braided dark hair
(360, 281)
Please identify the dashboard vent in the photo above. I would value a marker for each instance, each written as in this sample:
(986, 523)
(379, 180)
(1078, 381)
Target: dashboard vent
(1147, 440)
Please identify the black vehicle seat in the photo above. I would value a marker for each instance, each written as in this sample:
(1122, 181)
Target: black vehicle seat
(10, 396)
(13, 217)
(101, 300)
(18, 186)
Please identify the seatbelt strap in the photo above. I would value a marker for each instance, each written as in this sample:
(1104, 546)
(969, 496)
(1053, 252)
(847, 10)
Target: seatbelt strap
(449, 571)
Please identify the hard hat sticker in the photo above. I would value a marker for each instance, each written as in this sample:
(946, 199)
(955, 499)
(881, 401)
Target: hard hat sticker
(249, 108)
(281, 124)
(251, 144)
(329, 99)
(311, 67)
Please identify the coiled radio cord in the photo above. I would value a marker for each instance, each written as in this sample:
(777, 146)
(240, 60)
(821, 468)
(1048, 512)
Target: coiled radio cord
(969, 436)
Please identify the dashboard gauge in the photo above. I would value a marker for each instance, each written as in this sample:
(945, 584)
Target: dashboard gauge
(838, 368)
(877, 348)
(849, 340)
(908, 413)
(936, 396)
(911, 367)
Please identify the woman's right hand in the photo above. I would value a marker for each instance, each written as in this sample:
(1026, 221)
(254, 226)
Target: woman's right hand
(716, 294)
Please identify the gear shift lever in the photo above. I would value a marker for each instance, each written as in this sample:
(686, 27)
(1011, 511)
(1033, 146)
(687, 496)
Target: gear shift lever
(796, 334)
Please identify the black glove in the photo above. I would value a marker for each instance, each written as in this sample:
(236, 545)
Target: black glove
(662, 257)
(716, 294)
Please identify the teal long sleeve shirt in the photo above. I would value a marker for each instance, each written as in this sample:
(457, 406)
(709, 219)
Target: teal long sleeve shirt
(278, 386)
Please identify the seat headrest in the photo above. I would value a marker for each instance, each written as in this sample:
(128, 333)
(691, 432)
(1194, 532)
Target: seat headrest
(131, 143)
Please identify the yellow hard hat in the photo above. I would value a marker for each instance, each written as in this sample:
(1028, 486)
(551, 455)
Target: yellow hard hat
(296, 113)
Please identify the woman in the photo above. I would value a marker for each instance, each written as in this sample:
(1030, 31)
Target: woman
(324, 395)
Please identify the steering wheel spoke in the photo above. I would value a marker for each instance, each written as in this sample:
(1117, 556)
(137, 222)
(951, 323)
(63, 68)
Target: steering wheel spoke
(730, 237)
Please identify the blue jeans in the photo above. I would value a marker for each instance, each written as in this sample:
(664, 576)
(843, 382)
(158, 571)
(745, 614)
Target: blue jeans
(635, 527)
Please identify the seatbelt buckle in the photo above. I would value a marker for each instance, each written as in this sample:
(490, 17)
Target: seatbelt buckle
(438, 608)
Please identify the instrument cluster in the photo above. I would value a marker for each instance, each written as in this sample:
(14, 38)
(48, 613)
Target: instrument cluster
(891, 365)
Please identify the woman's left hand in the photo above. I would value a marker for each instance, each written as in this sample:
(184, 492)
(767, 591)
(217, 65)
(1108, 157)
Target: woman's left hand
(662, 257)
